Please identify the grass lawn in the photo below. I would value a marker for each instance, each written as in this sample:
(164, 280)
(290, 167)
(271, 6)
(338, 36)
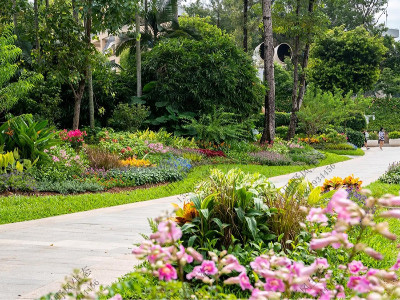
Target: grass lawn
(23, 208)
(357, 152)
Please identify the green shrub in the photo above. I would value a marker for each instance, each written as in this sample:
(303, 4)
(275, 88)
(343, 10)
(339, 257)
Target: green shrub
(17, 182)
(355, 137)
(356, 121)
(129, 117)
(373, 136)
(342, 146)
(69, 186)
(219, 127)
(270, 158)
(282, 119)
(309, 157)
(142, 176)
(392, 175)
(387, 114)
(394, 135)
(281, 131)
(63, 164)
(191, 76)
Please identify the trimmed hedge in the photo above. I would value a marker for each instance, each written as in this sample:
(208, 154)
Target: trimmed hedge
(355, 137)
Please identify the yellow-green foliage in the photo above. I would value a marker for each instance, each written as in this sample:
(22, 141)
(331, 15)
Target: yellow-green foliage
(10, 162)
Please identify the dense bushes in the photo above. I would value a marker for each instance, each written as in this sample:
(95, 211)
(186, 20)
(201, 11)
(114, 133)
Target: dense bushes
(192, 76)
(355, 137)
(387, 114)
(129, 117)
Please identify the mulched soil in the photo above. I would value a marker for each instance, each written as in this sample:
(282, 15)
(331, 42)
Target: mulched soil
(114, 190)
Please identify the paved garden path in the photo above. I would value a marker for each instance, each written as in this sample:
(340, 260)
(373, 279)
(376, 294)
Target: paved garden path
(36, 255)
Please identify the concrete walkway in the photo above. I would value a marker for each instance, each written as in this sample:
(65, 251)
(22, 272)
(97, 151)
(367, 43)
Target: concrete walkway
(35, 256)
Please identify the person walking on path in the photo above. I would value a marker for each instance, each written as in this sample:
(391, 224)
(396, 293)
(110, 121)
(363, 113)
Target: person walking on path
(366, 136)
(381, 137)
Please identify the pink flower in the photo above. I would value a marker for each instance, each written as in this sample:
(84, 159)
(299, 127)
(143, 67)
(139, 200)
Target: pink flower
(374, 254)
(393, 213)
(321, 263)
(260, 295)
(359, 284)
(232, 264)
(167, 232)
(116, 297)
(182, 255)
(55, 158)
(197, 273)
(45, 151)
(339, 195)
(394, 201)
(316, 215)
(259, 264)
(208, 267)
(274, 284)
(316, 244)
(157, 253)
(242, 279)
(396, 266)
(355, 267)
(196, 255)
(341, 294)
(167, 273)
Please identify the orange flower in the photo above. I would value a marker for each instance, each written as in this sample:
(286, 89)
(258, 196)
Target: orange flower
(185, 214)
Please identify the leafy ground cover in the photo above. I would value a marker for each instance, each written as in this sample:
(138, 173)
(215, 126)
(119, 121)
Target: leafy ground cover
(356, 152)
(22, 208)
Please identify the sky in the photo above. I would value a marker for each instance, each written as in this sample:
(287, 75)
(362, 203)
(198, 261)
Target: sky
(393, 19)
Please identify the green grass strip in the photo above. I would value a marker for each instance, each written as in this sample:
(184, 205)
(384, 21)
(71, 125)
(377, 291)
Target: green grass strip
(22, 208)
(357, 152)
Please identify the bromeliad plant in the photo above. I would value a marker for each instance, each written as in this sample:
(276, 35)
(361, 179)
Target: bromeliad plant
(276, 276)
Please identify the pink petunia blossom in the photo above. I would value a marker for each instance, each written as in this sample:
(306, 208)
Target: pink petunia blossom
(167, 273)
(393, 213)
(316, 244)
(374, 254)
(394, 201)
(274, 284)
(321, 263)
(340, 294)
(260, 295)
(359, 284)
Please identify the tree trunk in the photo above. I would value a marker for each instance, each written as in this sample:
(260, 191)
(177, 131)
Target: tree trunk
(298, 100)
(293, 116)
(77, 106)
(75, 11)
(90, 94)
(36, 11)
(88, 32)
(269, 121)
(245, 11)
(138, 57)
(47, 3)
(146, 11)
(175, 11)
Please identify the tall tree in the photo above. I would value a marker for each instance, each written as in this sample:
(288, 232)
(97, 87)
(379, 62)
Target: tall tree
(245, 13)
(301, 21)
(268, 134)
(138, 57)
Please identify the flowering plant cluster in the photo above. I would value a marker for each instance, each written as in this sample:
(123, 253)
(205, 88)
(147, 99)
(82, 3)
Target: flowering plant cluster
(211, 153)
(75, 137)
(185, 214)
(156, 147)
(308, 140)
(335, 183)
(213, 146)
(277, 277)
(134, 162)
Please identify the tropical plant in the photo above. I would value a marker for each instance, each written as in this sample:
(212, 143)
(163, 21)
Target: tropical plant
(12, 90)
(218, 127)
(230, 210)
(10, 162)
(30, 137)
